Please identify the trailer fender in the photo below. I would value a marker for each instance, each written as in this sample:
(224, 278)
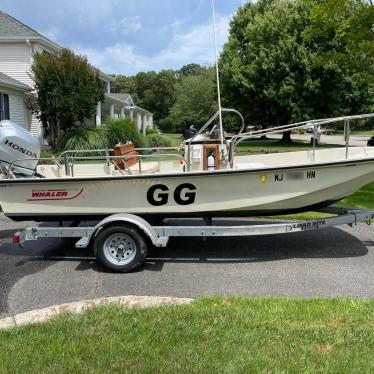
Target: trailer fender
(134, 220)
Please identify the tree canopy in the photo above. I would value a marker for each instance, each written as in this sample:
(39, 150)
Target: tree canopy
(344, 32)
(162, 94)
(68, 89)
(190, 70)
(285, 61)
(195, 100)
(152, 91)
(272, 69)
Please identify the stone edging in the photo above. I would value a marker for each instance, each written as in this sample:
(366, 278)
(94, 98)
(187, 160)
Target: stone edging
(43, 315)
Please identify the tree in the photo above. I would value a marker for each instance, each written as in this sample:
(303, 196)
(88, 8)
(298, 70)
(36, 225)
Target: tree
(272, 72)
(195, 101)
(344, 29)
(124, 84)
(190, 70)
(68, 89)
(153, 91)
(157, 92)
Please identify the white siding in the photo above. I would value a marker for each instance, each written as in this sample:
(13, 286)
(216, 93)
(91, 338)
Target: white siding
(35, 126)
(15, 61)
(17, 106)
(17, 109)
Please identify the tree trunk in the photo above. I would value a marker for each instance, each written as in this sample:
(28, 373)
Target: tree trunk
(286, 138)
(53, 133)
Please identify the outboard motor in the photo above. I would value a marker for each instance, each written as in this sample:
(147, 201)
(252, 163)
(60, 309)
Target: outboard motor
(16, 143)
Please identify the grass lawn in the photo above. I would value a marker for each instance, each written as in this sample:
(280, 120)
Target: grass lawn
(363, 199)
(219, 335)
(273, 146)
(176, 139)
(363, 133)
(354, 132)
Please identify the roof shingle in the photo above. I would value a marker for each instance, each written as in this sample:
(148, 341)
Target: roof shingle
(11, 28)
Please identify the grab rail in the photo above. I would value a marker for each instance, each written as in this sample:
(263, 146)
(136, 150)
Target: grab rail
(123, 158)
(62, 155)
(107, 157)
(237, 139)
(69, 167)
(12, 165)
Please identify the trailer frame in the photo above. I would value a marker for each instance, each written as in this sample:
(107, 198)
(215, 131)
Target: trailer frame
(159, 235)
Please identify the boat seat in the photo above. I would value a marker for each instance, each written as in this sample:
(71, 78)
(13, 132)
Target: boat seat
(130, 160)
(128, 154)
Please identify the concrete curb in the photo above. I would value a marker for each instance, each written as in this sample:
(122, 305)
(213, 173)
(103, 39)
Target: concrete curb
(43, 315)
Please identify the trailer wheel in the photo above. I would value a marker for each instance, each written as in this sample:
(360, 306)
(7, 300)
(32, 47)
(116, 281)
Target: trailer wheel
(120, 248)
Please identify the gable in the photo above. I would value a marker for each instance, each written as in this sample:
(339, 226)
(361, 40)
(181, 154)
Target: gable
(12, 29)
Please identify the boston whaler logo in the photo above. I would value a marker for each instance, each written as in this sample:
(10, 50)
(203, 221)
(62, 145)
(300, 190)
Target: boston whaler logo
(20, 149)
(54, 195)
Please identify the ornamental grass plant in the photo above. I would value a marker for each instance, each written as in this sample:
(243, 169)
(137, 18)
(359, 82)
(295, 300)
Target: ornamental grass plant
(111, 133)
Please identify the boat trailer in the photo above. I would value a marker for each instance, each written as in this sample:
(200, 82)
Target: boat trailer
(120, 241)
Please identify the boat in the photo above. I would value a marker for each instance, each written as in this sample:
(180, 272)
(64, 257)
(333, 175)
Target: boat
(181, 181)
(177, 182)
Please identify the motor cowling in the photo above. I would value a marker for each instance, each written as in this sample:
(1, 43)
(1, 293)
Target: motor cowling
(16, 143)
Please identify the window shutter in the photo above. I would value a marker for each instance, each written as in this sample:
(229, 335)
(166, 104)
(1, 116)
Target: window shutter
(6, 106)
(1, 106)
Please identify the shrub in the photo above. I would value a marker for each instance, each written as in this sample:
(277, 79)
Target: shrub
(46, 154)
(111, 133)
(84, 138)
(152, 131)
(122, 131)
(158, 140)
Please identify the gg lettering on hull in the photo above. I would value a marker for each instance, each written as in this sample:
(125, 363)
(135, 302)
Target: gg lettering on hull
(184, 194)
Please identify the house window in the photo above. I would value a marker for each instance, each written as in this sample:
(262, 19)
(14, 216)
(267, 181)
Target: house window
(4, 106)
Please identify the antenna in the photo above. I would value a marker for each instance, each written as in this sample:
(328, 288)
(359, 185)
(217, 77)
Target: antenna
(218, 81)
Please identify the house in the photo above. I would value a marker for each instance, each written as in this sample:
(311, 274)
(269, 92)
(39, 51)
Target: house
(13, 97)
(18, 42)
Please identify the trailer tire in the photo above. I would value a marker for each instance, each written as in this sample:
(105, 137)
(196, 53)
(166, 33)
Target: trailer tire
(120, 248)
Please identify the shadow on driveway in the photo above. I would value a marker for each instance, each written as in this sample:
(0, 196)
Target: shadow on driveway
(324, 244)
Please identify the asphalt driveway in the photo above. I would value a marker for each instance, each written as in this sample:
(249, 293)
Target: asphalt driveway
(335, 262)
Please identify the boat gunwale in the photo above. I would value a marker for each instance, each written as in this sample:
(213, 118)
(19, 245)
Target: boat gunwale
(187, 174)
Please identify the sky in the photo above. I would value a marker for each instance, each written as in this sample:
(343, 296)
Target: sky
(128, 36)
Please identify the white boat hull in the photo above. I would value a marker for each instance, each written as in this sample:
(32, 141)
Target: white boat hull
(267, 190)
